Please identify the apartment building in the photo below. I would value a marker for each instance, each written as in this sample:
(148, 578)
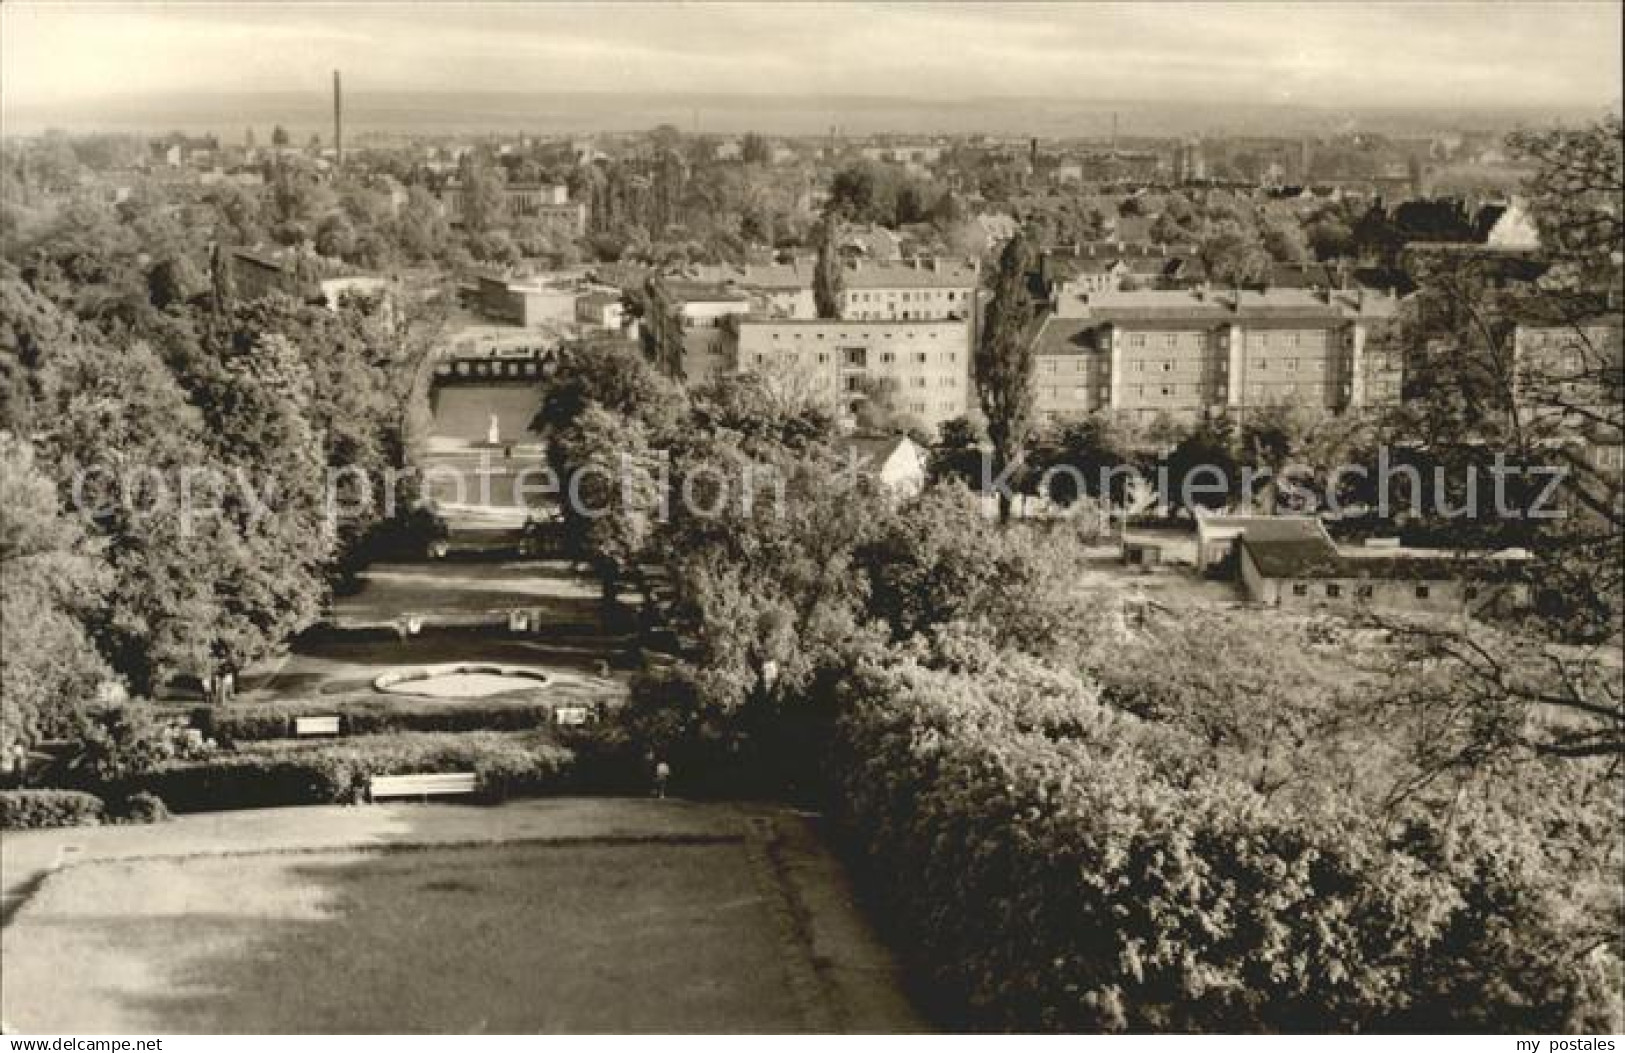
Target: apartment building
(543, 203)
(1188, 353)
(924, 365)
(1570, 377)
(873, 290)
(909, 290)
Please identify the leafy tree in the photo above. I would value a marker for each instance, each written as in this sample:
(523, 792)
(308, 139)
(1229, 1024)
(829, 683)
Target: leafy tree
(957, 455)
(484, 204)
(828, 279)
(939, 561)
(1003, 365)
(1232, 254)
(1285, 242)
(1331, 237)
(1093, 457)
(661, 326)
(420, 228)
(755, 149)
(1202, 469)
(53, 579)
(335, 237)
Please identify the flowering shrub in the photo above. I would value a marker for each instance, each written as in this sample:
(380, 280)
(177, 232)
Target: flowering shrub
(1054, 865)
(39, 809)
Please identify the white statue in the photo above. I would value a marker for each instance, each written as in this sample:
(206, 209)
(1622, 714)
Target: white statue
(493, 434)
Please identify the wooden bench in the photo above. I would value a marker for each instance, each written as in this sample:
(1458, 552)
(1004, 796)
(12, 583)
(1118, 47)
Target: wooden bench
(303, 726)
(571, 715)
(430, 784)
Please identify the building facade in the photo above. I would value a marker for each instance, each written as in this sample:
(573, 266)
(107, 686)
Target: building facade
(900, 290)
(1189, 354)
(543, 203)
(1570, 379)
(908, 290)
(924, 366)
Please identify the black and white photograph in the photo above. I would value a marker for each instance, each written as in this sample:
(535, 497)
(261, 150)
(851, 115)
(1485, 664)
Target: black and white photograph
(876, 518)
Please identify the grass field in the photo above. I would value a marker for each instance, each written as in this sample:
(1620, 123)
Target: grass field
(705, 925)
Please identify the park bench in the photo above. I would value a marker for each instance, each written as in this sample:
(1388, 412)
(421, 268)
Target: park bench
(571, 715)
(429, 784)
(303, 726)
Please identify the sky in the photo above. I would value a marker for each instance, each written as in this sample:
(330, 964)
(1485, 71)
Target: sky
(1463, 54)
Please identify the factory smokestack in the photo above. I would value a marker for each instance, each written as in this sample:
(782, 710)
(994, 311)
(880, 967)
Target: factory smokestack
(338, 119)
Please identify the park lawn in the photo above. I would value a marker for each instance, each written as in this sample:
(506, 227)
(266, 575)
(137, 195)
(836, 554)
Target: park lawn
(391, 590)
(620, 937)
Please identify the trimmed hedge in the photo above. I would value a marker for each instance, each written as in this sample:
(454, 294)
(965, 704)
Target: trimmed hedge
(275, 774)
(41, 809)
(260, 721)
(1050, 867)
(143, 807)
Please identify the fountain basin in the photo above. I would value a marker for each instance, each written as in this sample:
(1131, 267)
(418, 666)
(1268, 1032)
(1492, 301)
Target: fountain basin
(460, 680)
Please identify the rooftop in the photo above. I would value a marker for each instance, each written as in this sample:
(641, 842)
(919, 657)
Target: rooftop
(1286, 546)
(1064, 336)
(1216, 305)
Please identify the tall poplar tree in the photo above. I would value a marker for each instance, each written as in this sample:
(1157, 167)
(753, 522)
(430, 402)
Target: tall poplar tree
(1004, 362)
(828, 282)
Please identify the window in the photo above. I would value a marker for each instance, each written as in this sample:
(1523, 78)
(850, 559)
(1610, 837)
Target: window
(856, 356)
(1300, 589)
(1334, 590)
(823, 358)
(1167, 367)
(1362, 592)
(920, 357)
(854, 383)
(1136, 340)
(1422, 592)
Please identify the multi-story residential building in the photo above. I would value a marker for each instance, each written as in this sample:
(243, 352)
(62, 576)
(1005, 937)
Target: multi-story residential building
(704, 308)
(1569, 381)
(1072, 271)
(909, 290)
(547, 204)
(1186, 354)
(778, 290)
(923, 365)
(902, 290)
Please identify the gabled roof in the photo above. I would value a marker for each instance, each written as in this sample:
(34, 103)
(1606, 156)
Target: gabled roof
(704, 292)
(1064, 336)
(873, 452)
(910, 274)
(1288, 546)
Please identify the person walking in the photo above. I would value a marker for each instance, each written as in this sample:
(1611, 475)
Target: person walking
(662, 777)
